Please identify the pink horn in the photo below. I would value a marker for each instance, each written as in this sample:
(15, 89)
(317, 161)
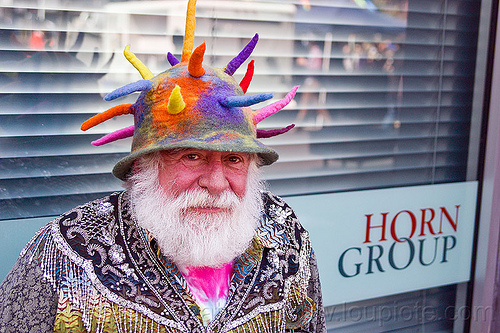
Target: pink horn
(117, 135)
(271, 109)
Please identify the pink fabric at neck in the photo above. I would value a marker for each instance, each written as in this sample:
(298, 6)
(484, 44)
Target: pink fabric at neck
(209, 285)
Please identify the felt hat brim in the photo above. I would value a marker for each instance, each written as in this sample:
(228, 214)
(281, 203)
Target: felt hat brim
(267, 155)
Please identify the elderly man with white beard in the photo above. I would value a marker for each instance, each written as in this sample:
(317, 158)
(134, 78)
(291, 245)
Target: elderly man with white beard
(194, 243)
(201, 206)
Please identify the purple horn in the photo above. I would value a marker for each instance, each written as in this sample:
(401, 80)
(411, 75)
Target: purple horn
(234, 64)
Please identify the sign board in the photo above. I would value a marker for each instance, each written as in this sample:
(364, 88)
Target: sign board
(382, 242)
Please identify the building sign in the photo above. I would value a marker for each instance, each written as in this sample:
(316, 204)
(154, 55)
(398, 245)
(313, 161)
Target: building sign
(381, 242)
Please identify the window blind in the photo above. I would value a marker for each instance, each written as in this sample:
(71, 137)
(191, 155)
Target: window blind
(385, 96)
(385, 100)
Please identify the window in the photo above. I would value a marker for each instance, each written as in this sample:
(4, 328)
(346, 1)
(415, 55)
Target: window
(385, 97)
(385, 91)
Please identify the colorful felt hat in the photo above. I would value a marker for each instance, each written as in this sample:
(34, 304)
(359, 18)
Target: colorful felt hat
(192, 106)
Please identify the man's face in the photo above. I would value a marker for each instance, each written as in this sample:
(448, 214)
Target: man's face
(194, 169)
(201, 206)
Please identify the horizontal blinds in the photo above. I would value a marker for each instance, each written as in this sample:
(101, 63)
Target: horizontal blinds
(385, 94)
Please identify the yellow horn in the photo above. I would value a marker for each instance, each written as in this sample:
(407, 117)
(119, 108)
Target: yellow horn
(175, 102)
(143, 70)
(187, 47)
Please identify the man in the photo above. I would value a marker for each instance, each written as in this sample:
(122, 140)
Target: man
(194, 243)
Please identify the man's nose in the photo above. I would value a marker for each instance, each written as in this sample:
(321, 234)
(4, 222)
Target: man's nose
(213, 178)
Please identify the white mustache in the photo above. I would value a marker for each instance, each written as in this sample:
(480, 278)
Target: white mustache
(203, 198)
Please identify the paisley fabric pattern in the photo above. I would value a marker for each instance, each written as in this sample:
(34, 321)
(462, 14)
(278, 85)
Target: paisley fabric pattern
(94, 269)
(27, 301)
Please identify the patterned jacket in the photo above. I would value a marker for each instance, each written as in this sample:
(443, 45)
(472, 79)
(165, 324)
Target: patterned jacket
(93, 270)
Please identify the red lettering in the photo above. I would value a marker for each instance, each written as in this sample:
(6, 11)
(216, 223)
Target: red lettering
(448, 217)
(369, 226)
(427, 222)
(413, 225)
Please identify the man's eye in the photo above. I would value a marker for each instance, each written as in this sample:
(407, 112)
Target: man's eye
(192, 157)
(235, 159)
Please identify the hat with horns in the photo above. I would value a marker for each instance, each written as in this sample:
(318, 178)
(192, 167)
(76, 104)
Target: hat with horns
(192, 106)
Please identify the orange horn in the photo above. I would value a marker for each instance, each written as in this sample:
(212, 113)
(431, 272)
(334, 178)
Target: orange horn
(187, 46)
(195, 66)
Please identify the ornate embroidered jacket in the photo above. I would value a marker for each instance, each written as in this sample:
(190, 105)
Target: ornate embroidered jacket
(93, 270)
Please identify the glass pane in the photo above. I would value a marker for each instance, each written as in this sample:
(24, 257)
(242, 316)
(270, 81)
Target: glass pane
(384, 99)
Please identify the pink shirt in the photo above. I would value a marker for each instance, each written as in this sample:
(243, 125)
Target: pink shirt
(209, 286)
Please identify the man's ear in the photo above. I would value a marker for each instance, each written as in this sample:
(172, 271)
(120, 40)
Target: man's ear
(258, 160)
(135, 167)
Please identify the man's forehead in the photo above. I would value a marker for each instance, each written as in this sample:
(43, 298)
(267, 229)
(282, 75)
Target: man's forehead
(177, 151)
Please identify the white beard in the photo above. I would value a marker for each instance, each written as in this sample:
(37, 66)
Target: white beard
(196, 239)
